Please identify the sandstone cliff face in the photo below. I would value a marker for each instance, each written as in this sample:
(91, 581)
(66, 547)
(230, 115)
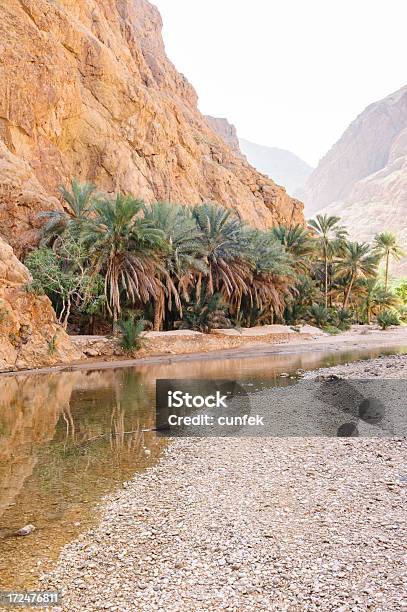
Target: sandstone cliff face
(226, 131)
(88, 92)
(29, 333)
(367, 166)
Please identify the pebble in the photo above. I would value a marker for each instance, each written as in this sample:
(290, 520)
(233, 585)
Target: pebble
(25, 531)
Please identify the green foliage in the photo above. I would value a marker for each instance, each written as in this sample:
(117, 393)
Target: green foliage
(203, 316)
(131, 329)
(330, 239)
(402, 310)
(331, 329)
(63, 275)
(306, 292)
(299, 243)
(124, 247)
(387, 318)
(343, 319)
(79, 202)
(357, 263)
(386, 247)
(200, 267)
(319, 314)
(401, 291)
(96, 305)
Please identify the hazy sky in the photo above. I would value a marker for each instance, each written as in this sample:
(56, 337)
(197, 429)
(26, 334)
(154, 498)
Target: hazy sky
(288, 73)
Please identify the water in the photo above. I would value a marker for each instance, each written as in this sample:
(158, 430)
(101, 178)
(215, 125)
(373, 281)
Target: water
(69, 438)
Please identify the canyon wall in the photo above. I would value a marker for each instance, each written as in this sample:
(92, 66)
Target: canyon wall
(226, 131)
(88, 92)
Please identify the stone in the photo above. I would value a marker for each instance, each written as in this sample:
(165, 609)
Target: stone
(25, 531)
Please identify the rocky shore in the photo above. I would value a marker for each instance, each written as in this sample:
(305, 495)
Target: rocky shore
(251, 524)
(392, 366)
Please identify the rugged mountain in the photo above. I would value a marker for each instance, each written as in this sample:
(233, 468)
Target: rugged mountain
(286, 168)
(226, 131)
(88, 91)
(363, 178)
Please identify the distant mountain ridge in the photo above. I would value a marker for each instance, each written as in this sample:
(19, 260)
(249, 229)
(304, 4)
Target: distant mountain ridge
(286, 168)
(363, 178)
(373, 143)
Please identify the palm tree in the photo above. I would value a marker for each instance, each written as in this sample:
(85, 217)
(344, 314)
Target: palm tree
(331, 236)
(357, 262)
(386, 246)
(79, 204)
(376, 298)
(273, 276)
(297, 241)
(184, 254)
(305, 293)
(228, 270)
(126, 249)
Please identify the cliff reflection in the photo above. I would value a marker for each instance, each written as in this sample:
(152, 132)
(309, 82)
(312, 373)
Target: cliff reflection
(66, 439)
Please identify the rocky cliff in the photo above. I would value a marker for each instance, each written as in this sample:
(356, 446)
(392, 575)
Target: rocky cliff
(363, 178)
(29, 333)
(226, 131)
(87, 91)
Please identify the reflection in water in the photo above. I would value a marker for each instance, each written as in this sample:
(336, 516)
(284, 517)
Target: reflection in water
(68, 438)
(65, 440)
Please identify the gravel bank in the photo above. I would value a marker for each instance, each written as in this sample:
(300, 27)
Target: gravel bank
(251, 524)
(394, 366)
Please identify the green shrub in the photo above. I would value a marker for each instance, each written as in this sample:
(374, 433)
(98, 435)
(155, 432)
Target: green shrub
(131, 330)
(387, 318)
(331, 329)
(319, 315)
(402, 310)
(343, 319)
(401, 291)
(205, 316)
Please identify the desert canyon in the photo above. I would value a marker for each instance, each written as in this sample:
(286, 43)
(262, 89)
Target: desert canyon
(88, 92)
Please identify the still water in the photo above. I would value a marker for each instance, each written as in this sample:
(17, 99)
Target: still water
(69, 438)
